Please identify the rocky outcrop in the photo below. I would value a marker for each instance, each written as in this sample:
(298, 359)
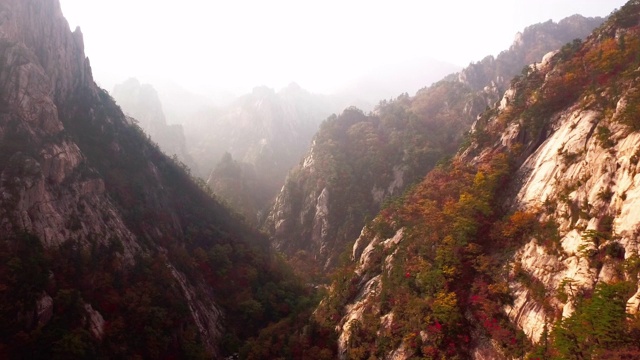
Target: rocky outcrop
(207, 316)
(95, 322)
(44, 309)
(370, 289)
(324, 199)
(49, 187)
(45, 182)
(41, 25)
(579, 173)
(592, 183)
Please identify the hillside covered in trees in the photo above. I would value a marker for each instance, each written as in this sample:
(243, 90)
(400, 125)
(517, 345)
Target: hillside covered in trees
(524, 245)
(108, 248)
(493, 215)
(358, 161)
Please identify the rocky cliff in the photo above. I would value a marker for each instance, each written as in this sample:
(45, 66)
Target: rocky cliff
(141, 102)
(35, 172)
(107, 247)
(580, 174)
(358, 161)
(525, 244)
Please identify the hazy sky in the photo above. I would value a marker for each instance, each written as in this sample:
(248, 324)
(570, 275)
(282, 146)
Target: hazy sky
(320, 44)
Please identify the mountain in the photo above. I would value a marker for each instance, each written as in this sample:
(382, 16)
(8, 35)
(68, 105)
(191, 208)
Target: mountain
(265, 131)
(108, 248)
(239, 185)
(141, 102)
(523, 245)
(357, 162)
(263, 128)
(527, 48)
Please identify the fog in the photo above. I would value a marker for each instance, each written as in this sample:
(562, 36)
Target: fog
(325, 46)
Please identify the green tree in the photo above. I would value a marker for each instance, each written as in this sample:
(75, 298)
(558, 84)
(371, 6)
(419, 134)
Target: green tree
(598, 324)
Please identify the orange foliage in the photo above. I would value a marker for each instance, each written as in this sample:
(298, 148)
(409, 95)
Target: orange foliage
(519, 224)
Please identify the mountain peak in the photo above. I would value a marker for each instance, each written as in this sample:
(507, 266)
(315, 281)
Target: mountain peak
(60, 52)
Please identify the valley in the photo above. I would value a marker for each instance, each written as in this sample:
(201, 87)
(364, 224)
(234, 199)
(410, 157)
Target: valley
(491, 214)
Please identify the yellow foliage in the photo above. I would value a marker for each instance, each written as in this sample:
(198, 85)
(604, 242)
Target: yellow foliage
(518, 224)
(445, 306)
(501, 288)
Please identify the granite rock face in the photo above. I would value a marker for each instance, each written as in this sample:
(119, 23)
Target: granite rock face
(60, 136)
(596, 189)
(576, 169)
(45, 181)
(579, 173)
(41, 25)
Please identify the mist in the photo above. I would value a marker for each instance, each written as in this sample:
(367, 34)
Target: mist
(225, 48)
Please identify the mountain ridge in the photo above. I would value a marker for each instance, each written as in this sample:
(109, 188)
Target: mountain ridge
(525, 243)
(408, 136)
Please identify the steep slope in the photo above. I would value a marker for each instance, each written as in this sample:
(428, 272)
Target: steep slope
(108, 249)
(358, 161)
(525, 244)
(141, 101)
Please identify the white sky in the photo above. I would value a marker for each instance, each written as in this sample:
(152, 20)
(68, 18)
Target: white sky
(234, 45)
